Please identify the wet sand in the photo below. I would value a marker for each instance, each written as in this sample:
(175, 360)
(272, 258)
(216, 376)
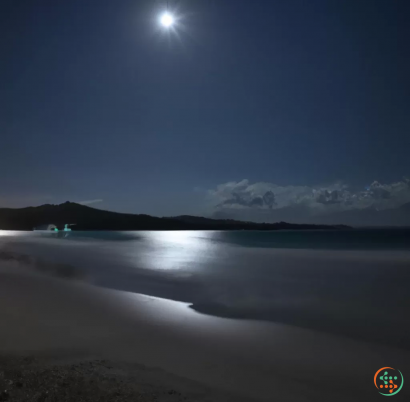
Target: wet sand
(56, 321)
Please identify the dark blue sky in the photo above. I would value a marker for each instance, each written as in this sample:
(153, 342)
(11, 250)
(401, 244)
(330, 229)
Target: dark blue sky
(97, 103)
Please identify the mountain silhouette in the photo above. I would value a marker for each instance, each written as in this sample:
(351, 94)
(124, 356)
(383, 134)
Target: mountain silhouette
(88, 218)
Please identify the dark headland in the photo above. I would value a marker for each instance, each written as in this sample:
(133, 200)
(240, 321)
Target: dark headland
(87, 218)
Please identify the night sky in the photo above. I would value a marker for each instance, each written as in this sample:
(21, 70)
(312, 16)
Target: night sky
(306, 101)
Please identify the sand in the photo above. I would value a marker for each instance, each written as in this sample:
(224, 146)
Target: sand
(162, 350)
(65, 379)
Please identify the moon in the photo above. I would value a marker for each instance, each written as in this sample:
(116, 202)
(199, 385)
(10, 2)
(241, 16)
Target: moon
(167, 20)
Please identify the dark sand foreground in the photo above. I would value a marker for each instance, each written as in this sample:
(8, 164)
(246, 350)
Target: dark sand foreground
(54, 335)
(70, 380)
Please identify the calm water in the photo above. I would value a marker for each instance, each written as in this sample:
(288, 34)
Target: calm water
(353, 283)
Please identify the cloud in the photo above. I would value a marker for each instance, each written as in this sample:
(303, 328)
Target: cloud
(89, 202)
(263, 201)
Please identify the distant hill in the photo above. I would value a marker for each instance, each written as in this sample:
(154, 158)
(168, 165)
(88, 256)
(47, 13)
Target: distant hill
(399, 216)
(366, 217)
(87, 218)
(198, 220)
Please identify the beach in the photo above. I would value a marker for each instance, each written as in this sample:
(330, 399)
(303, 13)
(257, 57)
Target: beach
(204, 201)
(167, 346)
(57, 322)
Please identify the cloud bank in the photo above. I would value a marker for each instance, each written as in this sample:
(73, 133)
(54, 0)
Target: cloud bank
(270, 202)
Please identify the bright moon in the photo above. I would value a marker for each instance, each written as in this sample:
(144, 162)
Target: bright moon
(167, 20)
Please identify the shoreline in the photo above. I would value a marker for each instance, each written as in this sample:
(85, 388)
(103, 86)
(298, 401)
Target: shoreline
(49, 317)
(344, 306)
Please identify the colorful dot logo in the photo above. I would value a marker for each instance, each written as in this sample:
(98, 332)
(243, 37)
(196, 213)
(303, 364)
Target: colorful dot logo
(388, 381)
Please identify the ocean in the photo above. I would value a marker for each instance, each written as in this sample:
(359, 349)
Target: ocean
(353, 283)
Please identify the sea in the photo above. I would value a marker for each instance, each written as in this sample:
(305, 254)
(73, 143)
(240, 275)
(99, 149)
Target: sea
(353, 283)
